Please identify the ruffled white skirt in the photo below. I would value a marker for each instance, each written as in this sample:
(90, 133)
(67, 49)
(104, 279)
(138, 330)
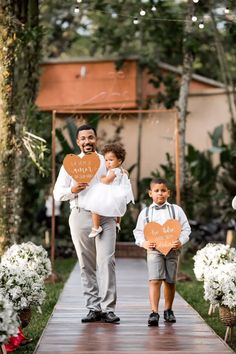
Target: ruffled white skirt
(108, 199)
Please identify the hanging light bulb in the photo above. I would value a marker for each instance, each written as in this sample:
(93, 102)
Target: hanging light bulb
(76, 10)
(194, 18)
(226, 10)
(135, 20)
(154, 8)
(195, 1)
(201, 25)
(142, 12)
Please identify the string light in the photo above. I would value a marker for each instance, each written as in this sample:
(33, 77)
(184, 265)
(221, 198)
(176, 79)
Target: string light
(201, 25)
(142, 12)
(226, 10)
(76, 10)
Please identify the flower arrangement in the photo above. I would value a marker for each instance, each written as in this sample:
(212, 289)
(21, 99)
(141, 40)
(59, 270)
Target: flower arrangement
(220, 285)
(35, 258)
(8, 320)
(211, 257)
(22, 286)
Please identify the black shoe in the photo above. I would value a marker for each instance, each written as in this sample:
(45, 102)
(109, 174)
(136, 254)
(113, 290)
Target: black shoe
(153, 319)
(169, 316)
(110, 317)
(92, 316)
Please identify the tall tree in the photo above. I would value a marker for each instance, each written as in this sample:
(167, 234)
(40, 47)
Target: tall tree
(184, 87)
(20, 37)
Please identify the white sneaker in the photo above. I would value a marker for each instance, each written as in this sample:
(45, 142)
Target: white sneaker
(95, 232)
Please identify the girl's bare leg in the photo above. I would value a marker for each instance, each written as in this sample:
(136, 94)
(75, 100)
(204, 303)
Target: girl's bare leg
(96, 220)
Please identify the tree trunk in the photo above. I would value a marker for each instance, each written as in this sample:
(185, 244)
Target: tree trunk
(19, 60)
(184, 90)
(226, 77)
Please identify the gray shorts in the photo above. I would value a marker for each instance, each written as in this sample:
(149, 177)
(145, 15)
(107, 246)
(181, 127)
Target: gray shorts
(162, 267)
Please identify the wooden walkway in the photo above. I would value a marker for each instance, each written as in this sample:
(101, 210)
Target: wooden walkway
(66, 334)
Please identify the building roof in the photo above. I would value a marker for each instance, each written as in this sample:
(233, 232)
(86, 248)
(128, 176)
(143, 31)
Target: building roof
(94, 83)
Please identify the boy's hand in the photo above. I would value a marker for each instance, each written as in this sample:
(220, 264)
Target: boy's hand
(149, 245)
(176, 245)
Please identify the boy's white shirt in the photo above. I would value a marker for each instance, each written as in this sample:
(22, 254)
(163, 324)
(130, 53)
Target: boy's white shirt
(64, 183)
(161, 216)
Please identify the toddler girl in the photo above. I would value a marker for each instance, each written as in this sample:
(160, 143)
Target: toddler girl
(111, 196)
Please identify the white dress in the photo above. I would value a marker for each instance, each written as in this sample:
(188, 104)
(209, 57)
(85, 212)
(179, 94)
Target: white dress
(110, 199)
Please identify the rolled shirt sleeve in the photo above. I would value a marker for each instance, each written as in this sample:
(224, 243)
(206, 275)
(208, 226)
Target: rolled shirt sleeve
(138, 231)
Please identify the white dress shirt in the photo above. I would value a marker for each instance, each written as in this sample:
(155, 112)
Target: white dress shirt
(64, 183)
(161, 216)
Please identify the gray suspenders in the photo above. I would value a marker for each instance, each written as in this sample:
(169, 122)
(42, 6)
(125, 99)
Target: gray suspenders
(171, 210)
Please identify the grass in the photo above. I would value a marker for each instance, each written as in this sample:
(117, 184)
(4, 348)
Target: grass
(63, 268)
(192, 292)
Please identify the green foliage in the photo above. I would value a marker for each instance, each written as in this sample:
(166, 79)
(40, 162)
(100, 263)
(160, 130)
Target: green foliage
(200, 191)
(193, 292)
(227, 167)
(166, 171)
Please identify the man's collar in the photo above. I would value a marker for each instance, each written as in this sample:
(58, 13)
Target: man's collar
(82, 154)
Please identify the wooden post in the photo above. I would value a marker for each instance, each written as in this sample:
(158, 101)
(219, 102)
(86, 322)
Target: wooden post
(53, 183)
(177, 159)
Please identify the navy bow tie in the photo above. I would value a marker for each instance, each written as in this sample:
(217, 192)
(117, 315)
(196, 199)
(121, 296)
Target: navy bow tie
(161, 207)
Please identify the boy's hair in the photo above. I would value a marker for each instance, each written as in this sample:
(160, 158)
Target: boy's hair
(85, 127)
(117, 150)
(159, 180)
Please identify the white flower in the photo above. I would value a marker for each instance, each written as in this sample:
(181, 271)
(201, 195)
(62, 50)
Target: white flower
(22, 286)
(210, 257)
(220, 285)
(9, 322)
(35, 258)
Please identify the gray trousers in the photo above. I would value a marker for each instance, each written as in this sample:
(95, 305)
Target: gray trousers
(96, 259)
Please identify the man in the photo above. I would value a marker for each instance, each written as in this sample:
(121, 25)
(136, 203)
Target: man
(99, 288)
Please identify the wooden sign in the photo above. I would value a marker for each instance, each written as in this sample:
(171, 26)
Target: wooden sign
(163, 235)
(82, 169)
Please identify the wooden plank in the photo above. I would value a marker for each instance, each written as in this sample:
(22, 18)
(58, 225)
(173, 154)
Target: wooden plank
(66, 334)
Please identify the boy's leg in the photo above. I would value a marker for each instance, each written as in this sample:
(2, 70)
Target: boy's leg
(154, 294)
(154, 297)
(169, 285)
(169, 295)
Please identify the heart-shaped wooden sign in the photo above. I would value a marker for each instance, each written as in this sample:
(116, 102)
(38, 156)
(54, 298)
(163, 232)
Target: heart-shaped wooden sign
(163, 235)
(82, 169)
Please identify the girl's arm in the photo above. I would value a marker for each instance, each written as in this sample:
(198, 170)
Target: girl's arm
(109, 178)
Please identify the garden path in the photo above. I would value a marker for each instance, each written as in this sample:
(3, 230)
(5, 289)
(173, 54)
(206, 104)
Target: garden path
(66, 334)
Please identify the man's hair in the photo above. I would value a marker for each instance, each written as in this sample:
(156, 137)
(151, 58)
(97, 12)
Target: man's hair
(159, 180)
(85, 127)
(117, 150)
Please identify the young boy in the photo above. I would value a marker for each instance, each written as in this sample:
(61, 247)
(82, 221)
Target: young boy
(161, 268)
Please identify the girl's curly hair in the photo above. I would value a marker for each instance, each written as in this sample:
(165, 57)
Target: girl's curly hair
(117, 150)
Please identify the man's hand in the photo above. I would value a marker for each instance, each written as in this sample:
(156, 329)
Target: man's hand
(79, 187)
(149, 245)
(176, 245)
